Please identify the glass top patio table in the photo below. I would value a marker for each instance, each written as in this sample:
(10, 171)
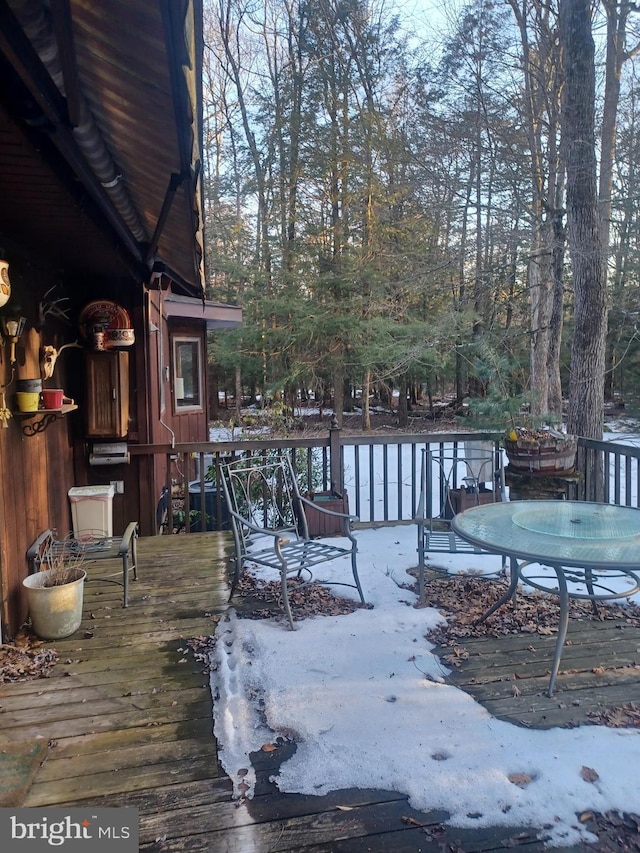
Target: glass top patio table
(569, 533)
(588, 544)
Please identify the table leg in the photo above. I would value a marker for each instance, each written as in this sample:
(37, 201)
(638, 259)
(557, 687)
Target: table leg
(588, 576)
(563, 595)
(510, 593)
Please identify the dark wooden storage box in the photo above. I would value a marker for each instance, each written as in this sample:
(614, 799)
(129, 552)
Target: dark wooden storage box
(461, 499)
(326, 525)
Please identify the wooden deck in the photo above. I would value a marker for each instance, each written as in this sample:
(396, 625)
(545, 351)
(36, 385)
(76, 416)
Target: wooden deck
(127, 712)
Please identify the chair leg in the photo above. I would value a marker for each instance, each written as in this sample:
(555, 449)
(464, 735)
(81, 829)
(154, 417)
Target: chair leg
(354, 569)
(237, 574)
(285, 598)
(125, 579)
(134, 555)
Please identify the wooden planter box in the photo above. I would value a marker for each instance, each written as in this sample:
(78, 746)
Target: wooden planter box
(460, 499)
(326, 525)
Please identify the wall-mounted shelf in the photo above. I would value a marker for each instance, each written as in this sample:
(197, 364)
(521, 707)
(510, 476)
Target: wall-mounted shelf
(45, 418)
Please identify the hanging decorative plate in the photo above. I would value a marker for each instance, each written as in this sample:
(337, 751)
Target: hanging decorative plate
(102, 317)
(5, 287)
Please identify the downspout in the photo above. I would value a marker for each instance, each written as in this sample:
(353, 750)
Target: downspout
(157, 328)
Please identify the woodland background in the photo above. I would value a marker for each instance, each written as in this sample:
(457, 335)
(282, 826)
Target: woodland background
(444, 205)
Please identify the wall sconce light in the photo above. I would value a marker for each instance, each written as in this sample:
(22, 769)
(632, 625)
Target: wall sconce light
(12, 328)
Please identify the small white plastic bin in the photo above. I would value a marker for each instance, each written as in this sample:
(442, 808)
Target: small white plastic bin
(92, 510)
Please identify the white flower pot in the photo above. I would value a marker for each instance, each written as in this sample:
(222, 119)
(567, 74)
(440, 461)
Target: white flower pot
(56, 611)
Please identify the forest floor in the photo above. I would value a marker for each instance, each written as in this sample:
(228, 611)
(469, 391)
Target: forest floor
(440, 416)
(313, 419)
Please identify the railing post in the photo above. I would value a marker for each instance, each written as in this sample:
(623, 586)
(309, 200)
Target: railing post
(335, 457)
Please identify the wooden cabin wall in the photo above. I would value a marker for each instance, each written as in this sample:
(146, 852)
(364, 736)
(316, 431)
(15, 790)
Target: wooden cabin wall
(37, 475)
(131, 504)
(154, 419)
(144, 476)
(37, 471)
(162, 424)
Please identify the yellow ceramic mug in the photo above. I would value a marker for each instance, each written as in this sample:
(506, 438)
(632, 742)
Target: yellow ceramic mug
(27, 401)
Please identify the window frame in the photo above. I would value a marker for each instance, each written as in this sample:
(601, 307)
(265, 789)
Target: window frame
(196, 341)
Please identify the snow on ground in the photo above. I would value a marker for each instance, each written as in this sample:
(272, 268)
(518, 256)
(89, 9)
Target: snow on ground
(364, 699)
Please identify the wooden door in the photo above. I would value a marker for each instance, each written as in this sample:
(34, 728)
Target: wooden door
(107, 385)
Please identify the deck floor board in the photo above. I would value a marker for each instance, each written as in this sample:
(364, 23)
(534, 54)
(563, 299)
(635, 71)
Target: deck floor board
(127, 710)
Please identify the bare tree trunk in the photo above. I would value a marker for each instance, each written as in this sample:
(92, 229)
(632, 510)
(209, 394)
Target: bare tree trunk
(541, 97)
(586, 382)
(403, 405)
(338, 394)
(556, 319)
(540, 301)
(214, 393)
(238, 395)
(366, 407)
(617, 14)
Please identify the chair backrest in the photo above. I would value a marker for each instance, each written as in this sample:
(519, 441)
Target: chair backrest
(479, 461)
(262, 492)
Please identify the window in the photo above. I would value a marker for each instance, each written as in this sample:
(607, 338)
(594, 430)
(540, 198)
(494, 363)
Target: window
(187, 373)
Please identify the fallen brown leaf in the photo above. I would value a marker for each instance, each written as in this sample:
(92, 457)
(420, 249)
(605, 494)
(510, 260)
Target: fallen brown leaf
(25, 659)
(411, 820)
(520, 779)
(517, 840)
(589, 774)
(621, 716)
(305, 599)
(465, 599)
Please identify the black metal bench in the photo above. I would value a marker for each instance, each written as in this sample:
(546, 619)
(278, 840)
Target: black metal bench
(269, 523)
(48, 546)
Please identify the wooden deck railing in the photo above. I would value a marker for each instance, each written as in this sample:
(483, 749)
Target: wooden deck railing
(380, 474)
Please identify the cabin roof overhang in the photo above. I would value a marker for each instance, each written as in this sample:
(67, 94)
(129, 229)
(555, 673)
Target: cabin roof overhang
(100, 136)
(215, 314)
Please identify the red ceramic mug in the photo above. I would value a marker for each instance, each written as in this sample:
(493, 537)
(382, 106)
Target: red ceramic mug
(52, 398)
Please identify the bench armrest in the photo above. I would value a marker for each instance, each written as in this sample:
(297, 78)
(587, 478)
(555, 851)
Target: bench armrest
(129, 534)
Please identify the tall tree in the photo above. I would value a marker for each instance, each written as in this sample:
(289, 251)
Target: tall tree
(586, 380)
(617, 54)
(541, 116)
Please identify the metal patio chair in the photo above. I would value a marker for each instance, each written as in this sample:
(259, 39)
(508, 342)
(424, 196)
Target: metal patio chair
(454, 479)
(270, 527)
